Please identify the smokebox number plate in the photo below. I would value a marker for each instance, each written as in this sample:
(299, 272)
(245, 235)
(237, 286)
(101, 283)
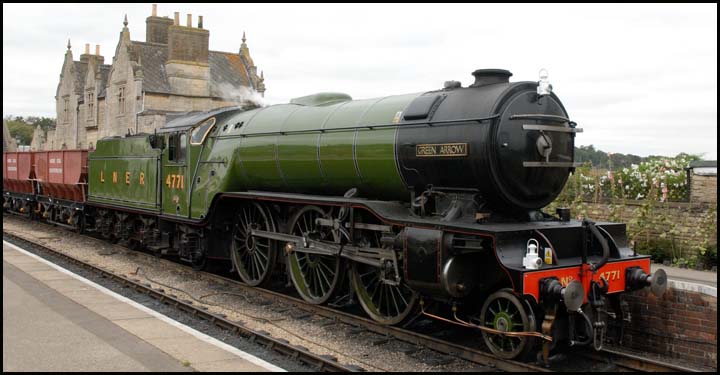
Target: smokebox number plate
(441, 150)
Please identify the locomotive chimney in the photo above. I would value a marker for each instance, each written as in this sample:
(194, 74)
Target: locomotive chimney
(485, 77)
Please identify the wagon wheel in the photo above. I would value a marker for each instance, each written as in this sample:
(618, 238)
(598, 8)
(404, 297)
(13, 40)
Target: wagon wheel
(253, 257)
(504, 311)
(316, 277)
(78, 221)
(382, 301)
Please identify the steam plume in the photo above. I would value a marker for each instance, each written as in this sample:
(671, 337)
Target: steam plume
(241, 95)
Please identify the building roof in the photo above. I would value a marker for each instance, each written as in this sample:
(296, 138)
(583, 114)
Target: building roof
(225, 69)
(80, 74)
(703, 164)
(152, 58)
(104, 73)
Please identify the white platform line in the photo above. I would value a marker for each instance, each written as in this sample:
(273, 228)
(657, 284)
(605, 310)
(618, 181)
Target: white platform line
(692, 287)
(210, 340)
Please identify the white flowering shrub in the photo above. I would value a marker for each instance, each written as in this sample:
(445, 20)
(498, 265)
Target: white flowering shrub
(658, 230)
(661, 179)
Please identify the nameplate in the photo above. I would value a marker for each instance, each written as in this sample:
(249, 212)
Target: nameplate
(441, 150)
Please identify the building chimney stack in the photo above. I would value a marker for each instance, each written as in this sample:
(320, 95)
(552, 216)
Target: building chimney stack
(200, 22)
(156, 28)
(187, 44)
(87, 48)
(97, 50)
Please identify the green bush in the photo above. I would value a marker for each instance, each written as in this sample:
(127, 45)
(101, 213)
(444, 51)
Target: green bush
(658, 249)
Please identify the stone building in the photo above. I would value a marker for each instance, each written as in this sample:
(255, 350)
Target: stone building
(172, 71)
(702, 176)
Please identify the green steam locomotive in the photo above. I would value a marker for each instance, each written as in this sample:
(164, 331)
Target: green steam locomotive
(426, 203)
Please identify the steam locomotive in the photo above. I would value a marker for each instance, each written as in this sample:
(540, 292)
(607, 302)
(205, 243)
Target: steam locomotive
(427, 203)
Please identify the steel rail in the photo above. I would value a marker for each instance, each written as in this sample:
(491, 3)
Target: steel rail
(635, 362)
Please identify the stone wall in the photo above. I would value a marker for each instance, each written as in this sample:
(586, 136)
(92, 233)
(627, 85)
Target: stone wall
(680, 325)
(150, 122)
(190, 79)
(180, 103)
(686, 224)
(156, 29)
(187, 43)
(703, 188)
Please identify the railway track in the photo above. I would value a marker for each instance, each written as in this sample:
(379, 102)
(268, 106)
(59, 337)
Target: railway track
(622, 361)
(632, 362)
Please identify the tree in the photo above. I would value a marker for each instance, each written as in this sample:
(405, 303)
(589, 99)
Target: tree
(24, 128)
(45, 123)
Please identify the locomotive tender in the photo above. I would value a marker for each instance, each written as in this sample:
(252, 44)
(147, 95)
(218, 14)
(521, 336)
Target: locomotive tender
(430, 203)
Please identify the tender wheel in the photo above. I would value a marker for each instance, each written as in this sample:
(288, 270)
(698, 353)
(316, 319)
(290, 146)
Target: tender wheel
(316, 277)
(108, 230)
(383, 302)
(505, 312)
(253, 257)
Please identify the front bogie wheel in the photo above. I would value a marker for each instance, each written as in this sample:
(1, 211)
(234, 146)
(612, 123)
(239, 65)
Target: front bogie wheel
(506, 312)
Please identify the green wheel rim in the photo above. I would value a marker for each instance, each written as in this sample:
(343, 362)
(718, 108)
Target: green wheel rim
(384, 303)
(253, 257)
(503, 311)
(316, 277)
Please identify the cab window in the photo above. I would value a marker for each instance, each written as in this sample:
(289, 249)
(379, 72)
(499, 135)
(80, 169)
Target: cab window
(182, 147)
(201, 131)
(177, 145)
(172, 147)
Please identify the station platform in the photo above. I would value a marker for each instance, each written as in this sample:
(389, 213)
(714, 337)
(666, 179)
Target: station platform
(54, 320)
(704, 282)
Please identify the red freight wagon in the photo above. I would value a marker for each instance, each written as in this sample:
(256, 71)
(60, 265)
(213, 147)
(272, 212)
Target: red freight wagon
(18, 172)
(62, 174)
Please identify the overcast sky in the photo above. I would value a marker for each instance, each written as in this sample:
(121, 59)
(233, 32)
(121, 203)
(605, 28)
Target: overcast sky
(639, 79)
